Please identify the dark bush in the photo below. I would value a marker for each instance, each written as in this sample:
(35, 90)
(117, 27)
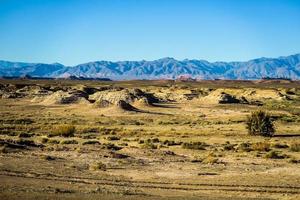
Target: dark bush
(260, 123)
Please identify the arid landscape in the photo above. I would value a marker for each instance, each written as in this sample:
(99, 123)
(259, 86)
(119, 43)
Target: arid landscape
(68, 139)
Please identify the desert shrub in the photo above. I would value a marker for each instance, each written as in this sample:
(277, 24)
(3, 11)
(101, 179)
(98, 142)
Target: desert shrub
(228, 147)
(63, 130)
(69, 142)
(118, 155)
(23, 121)
(261, 146)
(245, 147)
(123, 144)
(293, 160)
(152, 140)
(88, 136)
(210, 159)
(149, 145)
(194, 145)
(292, 118)
(260, 123)
(48, 157)
(112, 138)
(295, 147)
(141, 141)
(111, 146)
(280, 146)
(53, 141)
(25, 135)
(44, 140)
(89, 130)
(26, 142)
(275, 155)
(90, 142)
(98, 166)
(171, 142)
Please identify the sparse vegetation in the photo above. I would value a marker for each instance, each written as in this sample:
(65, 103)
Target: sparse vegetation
(69, 142)
(260, 123)
(295, 147)
(98, 166)
(261, 146)
(275, 155)
(195, 145)
(175, 140)
(63, 130)
(112, 137)
(25, 135)
(91, 142)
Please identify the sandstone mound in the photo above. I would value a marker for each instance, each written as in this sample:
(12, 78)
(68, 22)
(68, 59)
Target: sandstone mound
(245, 96)
(224, 98)
(264, 94)
(143, 102)
(21, 91)
(61, 97)
(102, 104)
(112, 96)
(126, 95)
(220, 97)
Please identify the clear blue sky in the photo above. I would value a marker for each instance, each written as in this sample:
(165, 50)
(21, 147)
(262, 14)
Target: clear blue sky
(78, 31)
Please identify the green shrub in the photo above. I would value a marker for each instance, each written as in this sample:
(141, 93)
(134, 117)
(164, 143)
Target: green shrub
(260, 123)
(63, 130)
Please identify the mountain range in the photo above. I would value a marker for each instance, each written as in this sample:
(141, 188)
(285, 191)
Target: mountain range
(165, 68)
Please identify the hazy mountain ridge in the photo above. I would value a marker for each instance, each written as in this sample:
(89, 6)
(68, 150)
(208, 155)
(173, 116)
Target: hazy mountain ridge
(162, 68)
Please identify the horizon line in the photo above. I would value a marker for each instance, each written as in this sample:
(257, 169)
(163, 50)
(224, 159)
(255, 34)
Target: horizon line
(143, 60)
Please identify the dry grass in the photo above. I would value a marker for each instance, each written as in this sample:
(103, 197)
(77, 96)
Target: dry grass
(63, 130)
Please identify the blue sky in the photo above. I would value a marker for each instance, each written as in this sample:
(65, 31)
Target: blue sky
(78, 31)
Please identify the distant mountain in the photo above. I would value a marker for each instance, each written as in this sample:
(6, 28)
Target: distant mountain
(165, 68)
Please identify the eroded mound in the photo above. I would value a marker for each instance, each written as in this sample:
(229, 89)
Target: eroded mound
(143, 102)
(126, 95)
(61, 97)
(123, 105)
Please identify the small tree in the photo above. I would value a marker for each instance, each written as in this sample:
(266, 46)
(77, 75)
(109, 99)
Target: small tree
(260, 123)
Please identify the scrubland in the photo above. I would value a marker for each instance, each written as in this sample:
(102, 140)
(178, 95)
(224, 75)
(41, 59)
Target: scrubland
(147, 140)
